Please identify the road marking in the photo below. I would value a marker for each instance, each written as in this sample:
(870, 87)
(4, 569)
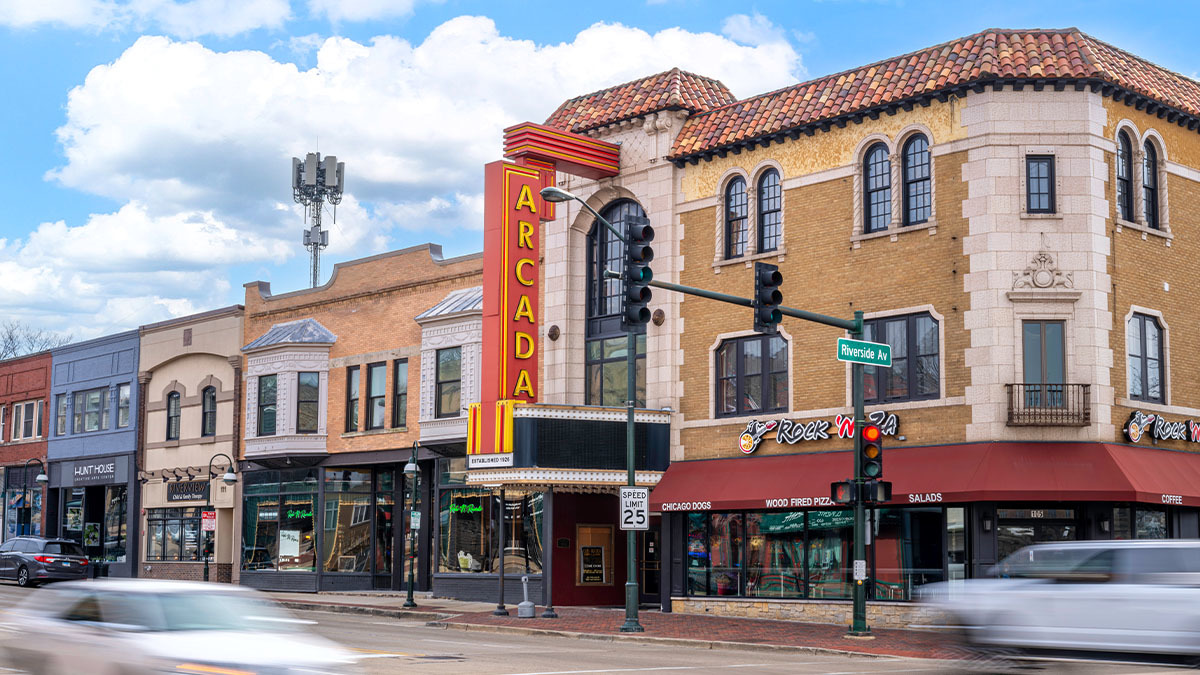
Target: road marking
(643, 670)
(473, 644)
(378, 653)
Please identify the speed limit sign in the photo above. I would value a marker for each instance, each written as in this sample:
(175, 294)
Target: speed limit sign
(635, 508)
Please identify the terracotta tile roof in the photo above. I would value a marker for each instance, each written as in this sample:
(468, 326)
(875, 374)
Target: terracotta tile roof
(674, 89)
(1066, 54)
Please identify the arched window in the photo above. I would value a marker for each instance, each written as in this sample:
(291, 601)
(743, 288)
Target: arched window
(208, 407)
(1124, 177)
(1150, 185)
(173, 416)
(918, 195)
(877, 189)
(606, 340)
(735, 218)
(770, 206)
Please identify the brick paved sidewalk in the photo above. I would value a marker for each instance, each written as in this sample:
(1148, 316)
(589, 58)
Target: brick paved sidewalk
(911, 643)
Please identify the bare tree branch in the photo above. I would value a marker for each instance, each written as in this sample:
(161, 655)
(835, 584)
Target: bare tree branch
(19, 339)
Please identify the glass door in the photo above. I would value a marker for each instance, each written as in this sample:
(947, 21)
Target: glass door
(1045, 363)
(649, 563)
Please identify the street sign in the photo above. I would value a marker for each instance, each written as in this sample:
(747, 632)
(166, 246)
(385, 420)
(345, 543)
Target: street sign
(860, 570)
(414, 520)
(635, 508)
(208, 521)
(860, 351)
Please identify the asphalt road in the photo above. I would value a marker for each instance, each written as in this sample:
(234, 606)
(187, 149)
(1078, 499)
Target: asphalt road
(403, 646)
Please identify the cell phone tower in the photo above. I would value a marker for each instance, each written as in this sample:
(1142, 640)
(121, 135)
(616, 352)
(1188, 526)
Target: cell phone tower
(314, 182)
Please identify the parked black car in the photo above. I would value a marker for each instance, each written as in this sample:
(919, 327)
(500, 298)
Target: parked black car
(35, 560)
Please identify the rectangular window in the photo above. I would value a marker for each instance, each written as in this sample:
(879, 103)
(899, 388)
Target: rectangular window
(352, 375)
(267, 394)
(607, 382)
(1039, 183)
(914, 374)
(1044, 363)
(3, 409)
(60, 415)
(122, 406)
(173, 534)
(278, 520)
(27, 421)
(449, 380)
(376, 394)
(307, 402)
(1143, 345)
(91, 410)
(467, 541)
(399, 393)
(751, 375)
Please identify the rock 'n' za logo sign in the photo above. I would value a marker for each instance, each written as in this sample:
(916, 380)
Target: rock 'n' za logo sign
(753, 434)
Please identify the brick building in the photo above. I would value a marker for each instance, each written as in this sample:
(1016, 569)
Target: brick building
(24, 399)
(190, 384)
(1010, 210)
(329, 424)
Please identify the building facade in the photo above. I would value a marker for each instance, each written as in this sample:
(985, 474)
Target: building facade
(190, 383)
(24, 402)
(330, 426)
(94, 492)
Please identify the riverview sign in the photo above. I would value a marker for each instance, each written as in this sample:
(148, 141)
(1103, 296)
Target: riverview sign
(792, 432)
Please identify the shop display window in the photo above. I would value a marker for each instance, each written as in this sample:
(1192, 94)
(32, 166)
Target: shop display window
(467, 539)
(173, 534)
(348, 526)
(114, 529)
(908, 551)
(830, 550)
(775, 555)
(22, 502)
(279, 520)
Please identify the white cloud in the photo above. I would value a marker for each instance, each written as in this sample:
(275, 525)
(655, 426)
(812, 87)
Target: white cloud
(196, 146)
(360, 10)
(186, 18)
(754, 29)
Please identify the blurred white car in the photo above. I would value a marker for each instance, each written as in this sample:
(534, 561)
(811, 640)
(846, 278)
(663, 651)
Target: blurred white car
(1134, 597)
(136, 627)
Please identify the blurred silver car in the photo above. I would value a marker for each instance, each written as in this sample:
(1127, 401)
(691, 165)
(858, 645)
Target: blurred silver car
(1133, 597)
(136, 627)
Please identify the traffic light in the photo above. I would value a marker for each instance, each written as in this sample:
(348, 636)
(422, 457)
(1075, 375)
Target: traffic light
(870, 449)
(877, 491)
(842, 492)
(638, 254)
(767, 298)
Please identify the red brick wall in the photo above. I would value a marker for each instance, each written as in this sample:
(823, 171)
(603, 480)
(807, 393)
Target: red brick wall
(23, 379)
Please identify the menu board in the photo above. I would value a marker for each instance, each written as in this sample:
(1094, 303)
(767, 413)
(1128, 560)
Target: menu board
(591, 568)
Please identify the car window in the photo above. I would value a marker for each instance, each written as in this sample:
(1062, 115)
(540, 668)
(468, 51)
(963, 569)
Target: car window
(64, 548)
(1046, 561)
(27, 546)
(131, 612)
(87, 608)
(1162, 560)
(6, 546)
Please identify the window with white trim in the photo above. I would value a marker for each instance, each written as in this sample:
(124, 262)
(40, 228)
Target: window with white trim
(27, 420)
(916, 352)
(1124, 177)
(1144, 358)
(877, 189)
(1150, 185)
(91, 411)
(752, 375)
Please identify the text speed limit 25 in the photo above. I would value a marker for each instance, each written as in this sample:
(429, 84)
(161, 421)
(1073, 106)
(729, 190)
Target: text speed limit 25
(635, 508)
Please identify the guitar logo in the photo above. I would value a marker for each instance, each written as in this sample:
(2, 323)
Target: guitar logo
(753, 434)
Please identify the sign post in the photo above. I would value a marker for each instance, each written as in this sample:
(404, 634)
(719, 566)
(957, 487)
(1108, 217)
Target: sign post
(635, 508)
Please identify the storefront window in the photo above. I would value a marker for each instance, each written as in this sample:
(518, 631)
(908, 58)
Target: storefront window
(347, 543)
(411, 539)
(908, 551)
(725, 552)
(697, 554)
(452, 471)
(1151, 523)
(73, 515)
(830, 545)
(173, 534)
(956, 548)
(1122, 523)
(384, 530)
(775, 555)
(467, 536)
(22, 502)
(278, 520)
(115, 508)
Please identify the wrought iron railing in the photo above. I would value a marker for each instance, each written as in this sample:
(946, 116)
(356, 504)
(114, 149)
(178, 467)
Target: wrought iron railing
(1049, 405)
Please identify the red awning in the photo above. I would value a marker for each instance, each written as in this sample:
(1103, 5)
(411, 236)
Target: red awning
(940, 474)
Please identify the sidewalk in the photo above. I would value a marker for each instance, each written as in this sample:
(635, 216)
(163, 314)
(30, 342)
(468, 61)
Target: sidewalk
(710, 632)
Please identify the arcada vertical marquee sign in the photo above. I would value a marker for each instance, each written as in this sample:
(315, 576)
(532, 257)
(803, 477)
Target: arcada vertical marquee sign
(514, 211)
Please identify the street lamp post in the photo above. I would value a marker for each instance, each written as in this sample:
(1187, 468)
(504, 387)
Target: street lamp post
(631, 625)
(410, 471)
(230, 478)
(41, 480)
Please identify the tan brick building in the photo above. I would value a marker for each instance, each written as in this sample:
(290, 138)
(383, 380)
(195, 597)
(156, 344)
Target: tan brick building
(1010, 211)
(330, 422)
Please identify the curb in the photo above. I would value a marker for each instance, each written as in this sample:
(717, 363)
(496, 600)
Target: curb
(363, 609)
(646, 639)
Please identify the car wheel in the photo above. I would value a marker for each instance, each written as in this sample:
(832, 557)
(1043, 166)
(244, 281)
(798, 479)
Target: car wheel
(23, 579)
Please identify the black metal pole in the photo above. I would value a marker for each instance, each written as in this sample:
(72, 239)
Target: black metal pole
(208, 505)
(858, 624)
(548, 555)
(500, 609)
(409, 552)
(631, 624)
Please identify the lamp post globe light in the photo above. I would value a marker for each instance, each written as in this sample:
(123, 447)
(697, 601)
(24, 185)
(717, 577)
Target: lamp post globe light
(41, 480)
(555, 194)
(410, 471)
(229, 478)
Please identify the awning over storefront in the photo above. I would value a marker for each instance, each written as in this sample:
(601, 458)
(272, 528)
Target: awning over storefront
(940, 474)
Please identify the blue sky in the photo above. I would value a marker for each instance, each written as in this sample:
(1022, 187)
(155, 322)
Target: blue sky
(147, 142)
